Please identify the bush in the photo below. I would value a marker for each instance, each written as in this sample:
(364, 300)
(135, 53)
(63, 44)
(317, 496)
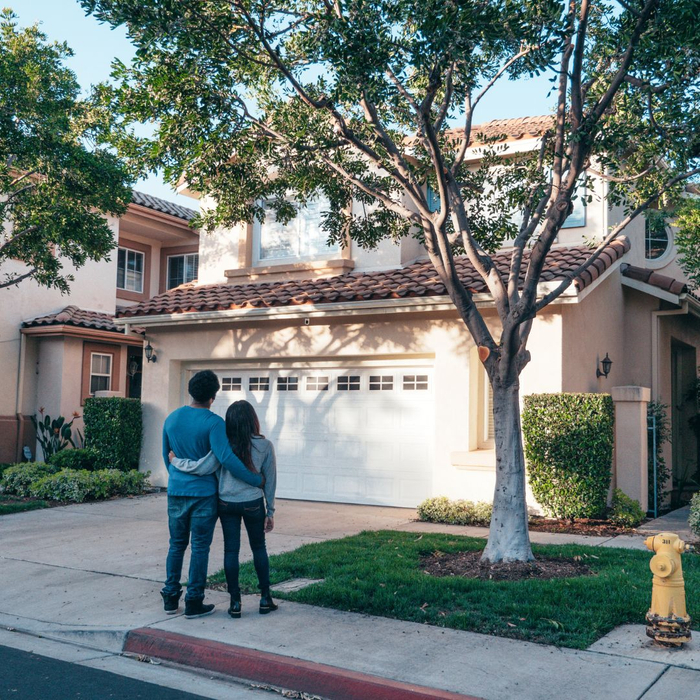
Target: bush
(442, 510)
(76, 459)
(18, 480)
(78, 485)
(694, 519)
(4, 466)
(657, 414)
(625, 512)
(569, 448)
(113, 428)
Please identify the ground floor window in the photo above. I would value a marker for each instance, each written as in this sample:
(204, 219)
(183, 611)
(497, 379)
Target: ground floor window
(100, 372)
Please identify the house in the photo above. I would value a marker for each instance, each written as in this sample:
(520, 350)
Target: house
(368, 382)
(58, 350)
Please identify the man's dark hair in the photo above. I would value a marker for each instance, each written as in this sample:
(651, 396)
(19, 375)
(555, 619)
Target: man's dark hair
(203, 386)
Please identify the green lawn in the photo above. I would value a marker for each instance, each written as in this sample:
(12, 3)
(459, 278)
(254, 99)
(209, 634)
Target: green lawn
(379, 573)
(12, 504)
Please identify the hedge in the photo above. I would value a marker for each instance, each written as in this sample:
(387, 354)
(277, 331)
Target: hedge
(86, 458)
(625, 511)
(694, 519)
(78, 485)
(113, 428)
(569, 449)
(442, 510)
(18, 480)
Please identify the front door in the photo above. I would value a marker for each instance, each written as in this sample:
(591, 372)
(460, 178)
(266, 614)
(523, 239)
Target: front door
(134, 367)
(684, 441)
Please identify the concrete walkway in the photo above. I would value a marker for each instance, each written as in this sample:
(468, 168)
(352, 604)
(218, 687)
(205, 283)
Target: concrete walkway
(89, 574)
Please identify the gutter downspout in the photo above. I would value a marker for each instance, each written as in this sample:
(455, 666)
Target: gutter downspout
(656, 317)
(20, 390)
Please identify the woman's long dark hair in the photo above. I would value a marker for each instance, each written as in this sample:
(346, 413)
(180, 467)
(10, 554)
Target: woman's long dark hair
(242, 425)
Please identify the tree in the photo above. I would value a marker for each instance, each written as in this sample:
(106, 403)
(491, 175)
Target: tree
(357, 99)
(56, 182)
(687, 219)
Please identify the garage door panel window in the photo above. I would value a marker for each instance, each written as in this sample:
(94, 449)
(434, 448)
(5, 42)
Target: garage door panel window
(231, 384)
(259, 384)
(287, 383)
(381, 383)
(317, 383)
(415, 382)
(351, 383)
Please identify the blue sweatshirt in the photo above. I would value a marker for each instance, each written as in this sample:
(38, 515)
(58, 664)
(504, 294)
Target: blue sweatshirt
(191, 433)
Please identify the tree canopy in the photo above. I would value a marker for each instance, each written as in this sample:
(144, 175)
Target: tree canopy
(57, 176)
(370, 101)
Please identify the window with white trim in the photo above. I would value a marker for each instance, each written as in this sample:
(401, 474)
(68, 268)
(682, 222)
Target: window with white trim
(182, 269)
(300, 238)
(656, 236)
(130, 265)
(100, 372)
(415, 382)
(287, 383)
(351, 383)
(231, 384)
(259, 384)
(381, 383)
(317, 383)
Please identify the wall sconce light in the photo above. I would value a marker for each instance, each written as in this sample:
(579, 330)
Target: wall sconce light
(606, 364)
(133, 368)
(150, 355)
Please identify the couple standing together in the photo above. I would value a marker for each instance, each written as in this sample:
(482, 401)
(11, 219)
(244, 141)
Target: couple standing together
(216, 470)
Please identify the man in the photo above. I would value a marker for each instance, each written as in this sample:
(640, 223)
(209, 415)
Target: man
(191, 432)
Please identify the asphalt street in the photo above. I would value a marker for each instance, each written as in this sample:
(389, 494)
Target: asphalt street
(27, 676)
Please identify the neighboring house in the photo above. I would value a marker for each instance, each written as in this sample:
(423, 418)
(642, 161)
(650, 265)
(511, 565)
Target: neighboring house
(58, 350)
(361, 371)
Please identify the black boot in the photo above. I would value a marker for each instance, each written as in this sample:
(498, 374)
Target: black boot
(171, 602)
(267, 605)
(197, 608)
(235, 607)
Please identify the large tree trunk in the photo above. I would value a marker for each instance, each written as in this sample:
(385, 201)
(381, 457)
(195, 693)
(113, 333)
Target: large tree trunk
(509, 539)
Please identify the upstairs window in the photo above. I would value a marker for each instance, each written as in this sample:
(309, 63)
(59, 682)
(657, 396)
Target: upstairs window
(301, 238)
(130, 270)
(182, 269)
(656, 237)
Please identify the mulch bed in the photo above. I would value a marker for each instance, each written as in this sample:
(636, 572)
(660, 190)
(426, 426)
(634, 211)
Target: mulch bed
(596, 528)
(469, 565)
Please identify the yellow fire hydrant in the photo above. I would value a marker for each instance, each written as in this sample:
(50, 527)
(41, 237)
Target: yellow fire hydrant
(668, 620)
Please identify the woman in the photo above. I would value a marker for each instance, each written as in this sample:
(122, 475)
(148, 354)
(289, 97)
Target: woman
(239, 501)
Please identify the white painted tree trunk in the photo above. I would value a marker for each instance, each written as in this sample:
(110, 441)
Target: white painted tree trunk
(509, 539)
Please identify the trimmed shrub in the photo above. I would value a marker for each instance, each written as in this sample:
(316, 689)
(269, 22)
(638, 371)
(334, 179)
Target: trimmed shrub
(4, 466)
(625, 511)
(76, 459)
(694, 519)
(569, 448)
(18, 480)
(78, 485)
(113, 428)
(442, 510)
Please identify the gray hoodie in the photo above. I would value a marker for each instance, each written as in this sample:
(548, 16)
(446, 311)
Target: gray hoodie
(232, 489)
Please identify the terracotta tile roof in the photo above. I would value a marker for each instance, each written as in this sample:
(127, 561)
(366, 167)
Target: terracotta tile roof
(509, 129)
(162, 205)
(73, 316)
(416, 280)
(668, 284)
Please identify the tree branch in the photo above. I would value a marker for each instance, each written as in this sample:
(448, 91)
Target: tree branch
(11, 281)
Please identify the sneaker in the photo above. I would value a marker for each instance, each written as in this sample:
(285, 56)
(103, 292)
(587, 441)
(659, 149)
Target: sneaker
(267, 605)
(197, 608)
(171, 603)
(235, 607)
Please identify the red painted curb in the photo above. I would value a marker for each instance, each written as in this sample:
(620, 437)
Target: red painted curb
(274, 669)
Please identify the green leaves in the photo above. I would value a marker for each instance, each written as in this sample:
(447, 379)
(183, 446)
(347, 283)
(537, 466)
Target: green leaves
(58, 177)
(113, 429)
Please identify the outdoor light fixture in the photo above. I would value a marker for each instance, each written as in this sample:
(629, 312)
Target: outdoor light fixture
(150, 355)
(134, 367)
(606, 364)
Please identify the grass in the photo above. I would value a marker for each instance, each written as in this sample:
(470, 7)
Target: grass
(379, 573)
(13, 504)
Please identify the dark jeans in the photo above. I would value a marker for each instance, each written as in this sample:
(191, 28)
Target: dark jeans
(196, 517)
(253, 514)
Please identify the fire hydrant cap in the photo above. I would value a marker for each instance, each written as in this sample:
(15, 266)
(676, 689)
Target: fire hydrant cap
(662, 565)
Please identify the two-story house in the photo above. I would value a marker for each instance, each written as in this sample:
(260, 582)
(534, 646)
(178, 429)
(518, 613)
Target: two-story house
(57, 350)
(363, 375)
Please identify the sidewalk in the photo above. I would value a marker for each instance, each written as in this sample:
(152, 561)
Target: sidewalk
(91, 575)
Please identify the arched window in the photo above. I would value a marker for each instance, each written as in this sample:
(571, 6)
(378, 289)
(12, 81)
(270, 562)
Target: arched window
(656, 236)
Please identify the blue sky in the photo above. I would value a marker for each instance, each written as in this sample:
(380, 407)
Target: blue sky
(95, 46)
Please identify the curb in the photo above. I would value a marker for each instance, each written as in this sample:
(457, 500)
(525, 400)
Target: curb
(274, 669)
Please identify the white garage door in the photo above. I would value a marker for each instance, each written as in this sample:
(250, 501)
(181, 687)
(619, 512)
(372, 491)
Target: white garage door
(351, 435)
